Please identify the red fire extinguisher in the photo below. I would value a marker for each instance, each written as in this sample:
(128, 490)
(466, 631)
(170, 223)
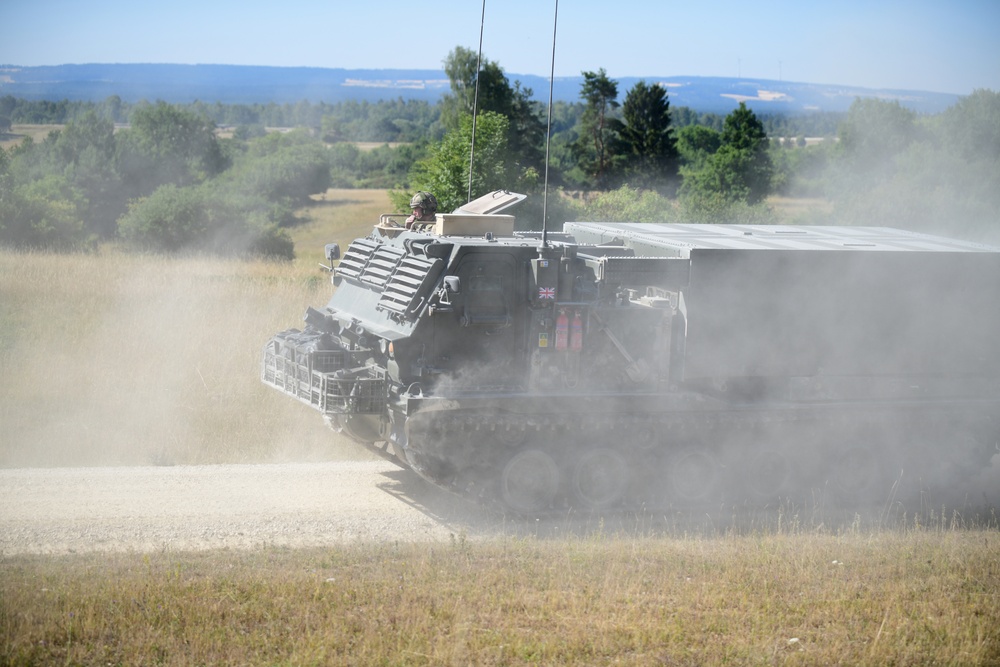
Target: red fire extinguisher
(576, 333)
(562, 330)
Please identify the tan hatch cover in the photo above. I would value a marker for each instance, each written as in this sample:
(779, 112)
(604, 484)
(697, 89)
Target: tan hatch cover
(493, 202)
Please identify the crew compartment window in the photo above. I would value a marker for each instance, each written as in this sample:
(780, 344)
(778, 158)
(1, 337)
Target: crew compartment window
(487, 303)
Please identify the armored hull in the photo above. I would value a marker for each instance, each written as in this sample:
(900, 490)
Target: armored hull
(639, 365)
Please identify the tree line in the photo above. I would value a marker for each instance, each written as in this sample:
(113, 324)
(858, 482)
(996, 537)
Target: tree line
(161, 176)
(388, 121)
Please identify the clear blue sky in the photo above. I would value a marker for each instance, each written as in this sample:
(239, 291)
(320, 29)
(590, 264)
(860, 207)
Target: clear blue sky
(950, 46)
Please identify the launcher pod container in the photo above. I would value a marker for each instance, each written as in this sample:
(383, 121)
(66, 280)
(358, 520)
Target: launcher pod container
(652, 365)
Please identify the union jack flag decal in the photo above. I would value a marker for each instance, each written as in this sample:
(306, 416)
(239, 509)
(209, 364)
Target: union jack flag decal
(546, 292)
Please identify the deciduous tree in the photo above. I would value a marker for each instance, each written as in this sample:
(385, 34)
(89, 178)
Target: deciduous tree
(740, 171)
(696, 144)
(446, 171)
(875, 131)
(525, 130)
(167, 144)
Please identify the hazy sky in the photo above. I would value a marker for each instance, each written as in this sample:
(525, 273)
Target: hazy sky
(948, 46)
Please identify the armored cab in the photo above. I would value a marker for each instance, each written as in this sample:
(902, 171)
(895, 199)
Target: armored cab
(651, 365)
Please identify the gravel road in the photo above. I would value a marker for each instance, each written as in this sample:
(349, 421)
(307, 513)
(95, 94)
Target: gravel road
(64, 510)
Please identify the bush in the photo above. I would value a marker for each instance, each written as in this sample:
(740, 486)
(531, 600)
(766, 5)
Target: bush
(290, 174)
(715, 208)
(628, 204)
(171, 218)
(174, 219)
(40, 214)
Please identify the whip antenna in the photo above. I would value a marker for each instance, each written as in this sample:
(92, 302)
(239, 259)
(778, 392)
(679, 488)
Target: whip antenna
(475, 99)
(548, 133)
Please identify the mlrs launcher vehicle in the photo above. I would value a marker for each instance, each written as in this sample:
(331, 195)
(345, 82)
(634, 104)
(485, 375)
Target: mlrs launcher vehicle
(649, 365)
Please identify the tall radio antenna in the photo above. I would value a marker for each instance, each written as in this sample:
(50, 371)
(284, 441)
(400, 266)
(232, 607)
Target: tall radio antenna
(548, 133)
(475, 99)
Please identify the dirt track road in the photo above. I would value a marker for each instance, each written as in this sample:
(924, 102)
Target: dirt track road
(62, 510)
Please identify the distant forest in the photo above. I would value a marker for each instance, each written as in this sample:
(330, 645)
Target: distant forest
(391, 121)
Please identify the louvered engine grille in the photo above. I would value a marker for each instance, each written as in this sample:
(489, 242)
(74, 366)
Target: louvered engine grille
(409, 283)
(381, 264)
(356, 258)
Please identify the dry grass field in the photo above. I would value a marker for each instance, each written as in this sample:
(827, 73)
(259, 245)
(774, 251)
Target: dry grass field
(922, 597)
(115, 358)
(125, 359)
(119, 359)
(18, 133)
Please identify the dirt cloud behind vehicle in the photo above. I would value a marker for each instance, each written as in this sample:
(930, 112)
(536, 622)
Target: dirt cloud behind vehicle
(115, 359)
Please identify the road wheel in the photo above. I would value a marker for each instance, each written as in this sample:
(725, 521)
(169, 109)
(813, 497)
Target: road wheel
(600, 478)
(693, 476)
(529, 482)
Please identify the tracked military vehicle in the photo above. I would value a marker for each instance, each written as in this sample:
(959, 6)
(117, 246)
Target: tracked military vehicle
(655, 365)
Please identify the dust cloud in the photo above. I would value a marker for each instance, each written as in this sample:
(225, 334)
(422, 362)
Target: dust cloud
(117, 359)
(891, 355)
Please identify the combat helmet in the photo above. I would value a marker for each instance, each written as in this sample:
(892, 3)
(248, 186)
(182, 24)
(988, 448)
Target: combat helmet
(426, 201)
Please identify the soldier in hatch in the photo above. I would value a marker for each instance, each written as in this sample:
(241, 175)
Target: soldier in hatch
(424, 206)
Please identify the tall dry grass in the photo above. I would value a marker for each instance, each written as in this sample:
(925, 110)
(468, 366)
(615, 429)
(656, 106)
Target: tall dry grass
(116, 358)
(898, 598)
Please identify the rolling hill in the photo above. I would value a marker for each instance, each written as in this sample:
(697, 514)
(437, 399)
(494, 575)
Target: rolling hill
(236, 84)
